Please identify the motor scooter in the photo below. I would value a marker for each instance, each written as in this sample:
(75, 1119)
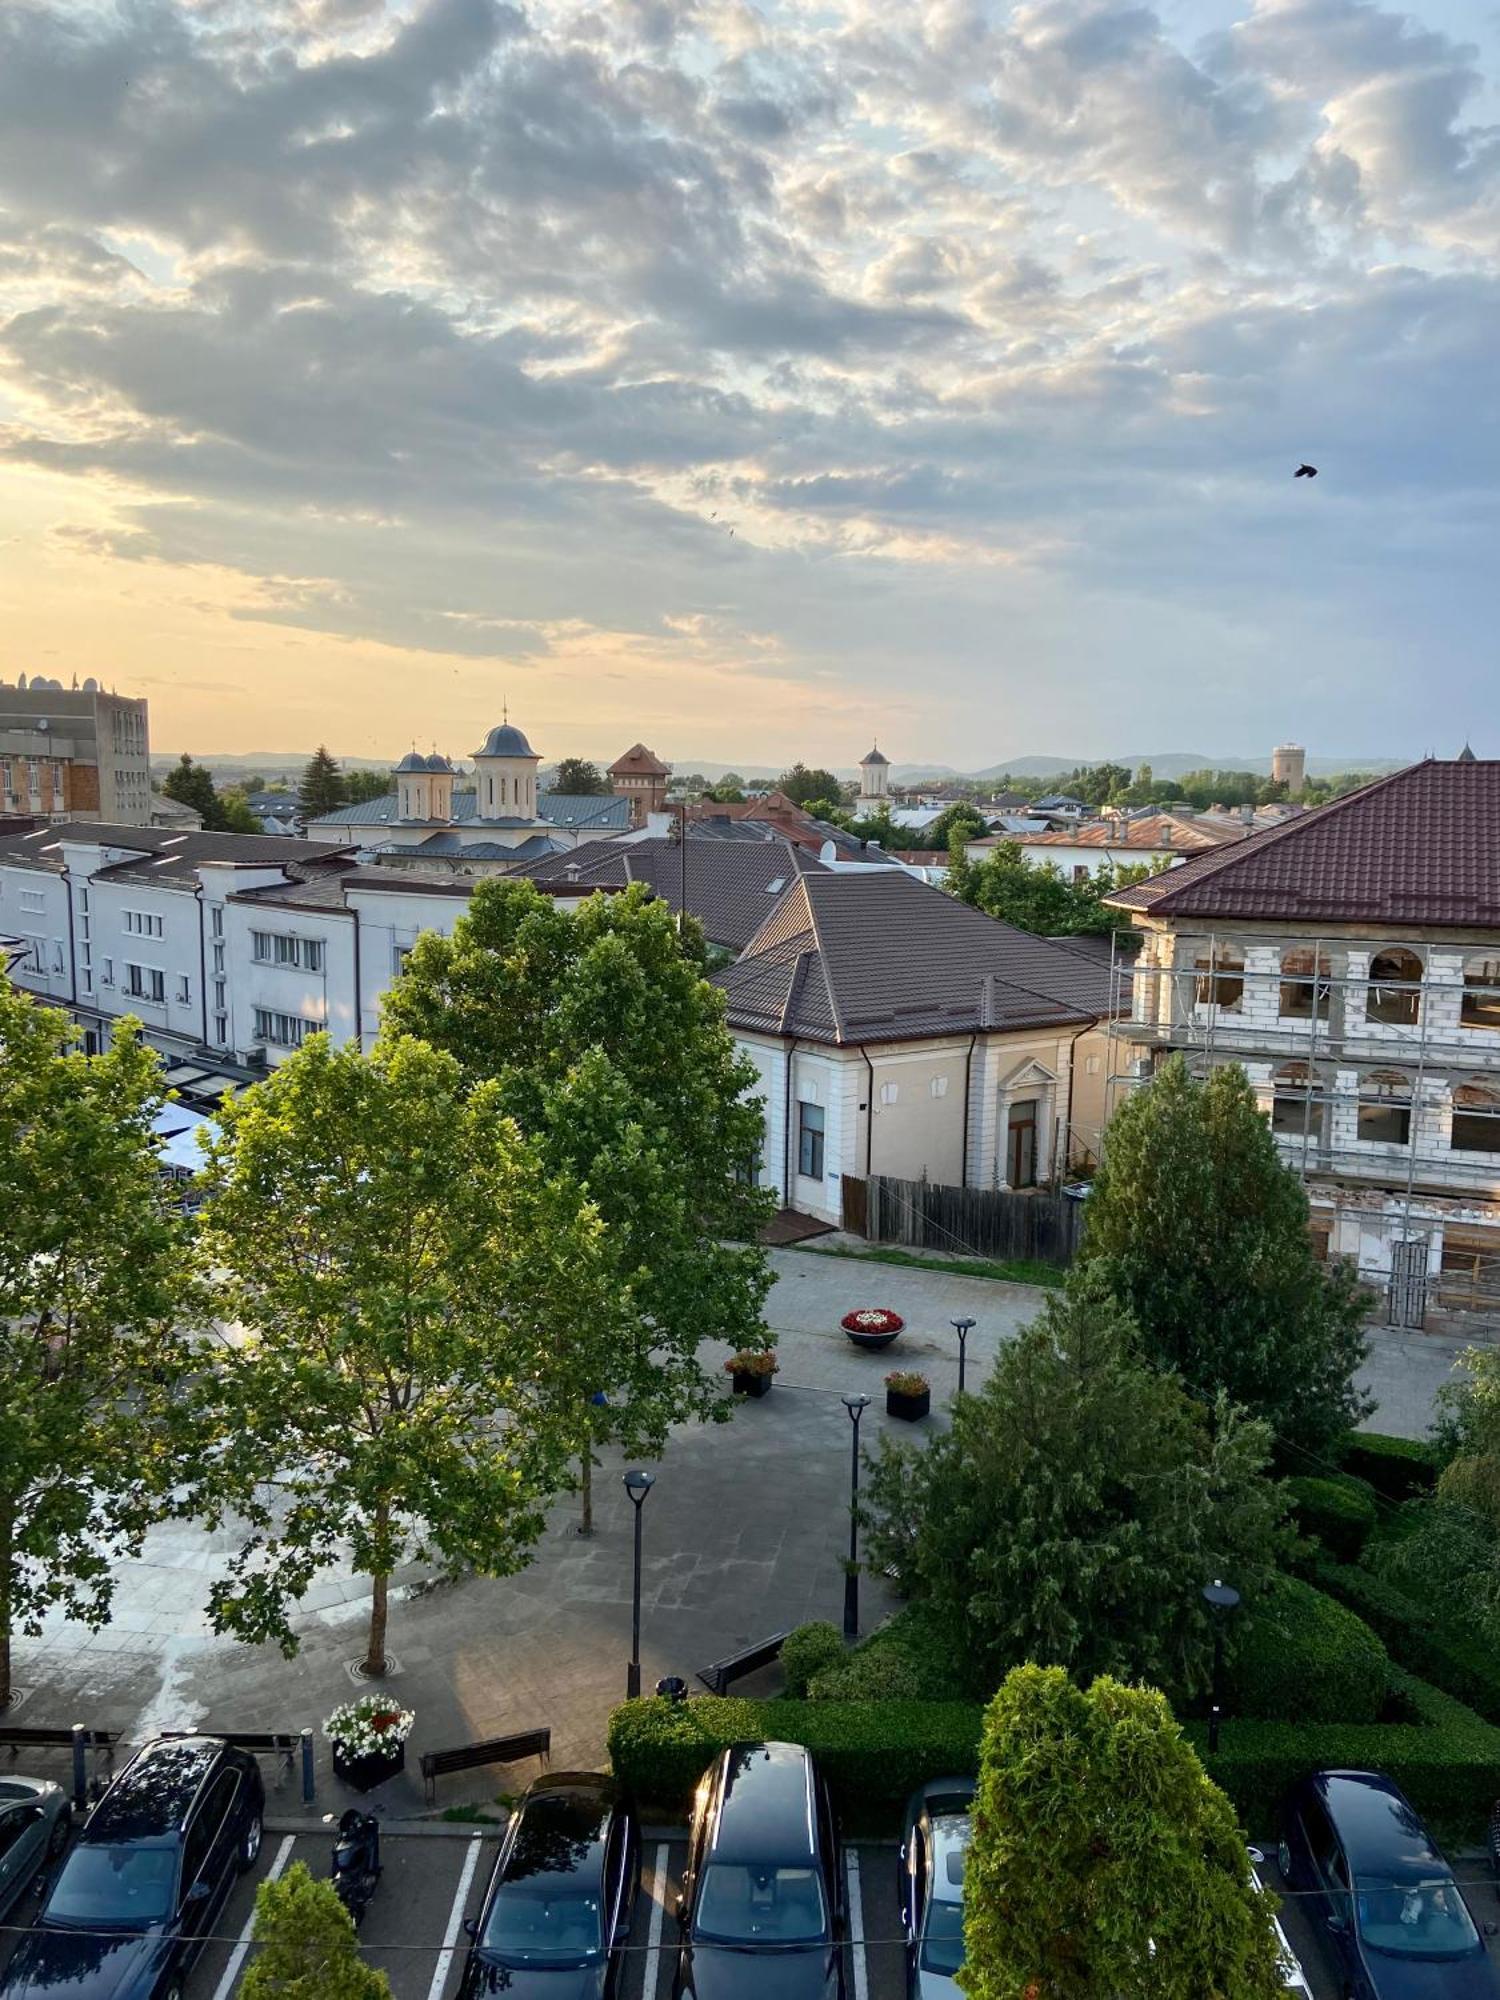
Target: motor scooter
(356, 1860)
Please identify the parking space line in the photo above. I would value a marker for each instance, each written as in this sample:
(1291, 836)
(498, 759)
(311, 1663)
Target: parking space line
(455, 1921)
(856, 1927)
(241, 1951)
(660, 1881)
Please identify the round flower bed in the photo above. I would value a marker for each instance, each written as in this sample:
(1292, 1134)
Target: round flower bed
(369, 1740)
(873, 1327)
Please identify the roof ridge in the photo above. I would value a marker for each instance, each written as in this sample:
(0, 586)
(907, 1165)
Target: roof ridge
(839, 1020)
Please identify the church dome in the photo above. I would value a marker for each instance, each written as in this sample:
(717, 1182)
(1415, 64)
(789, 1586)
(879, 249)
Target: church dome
(505, 740)
(439, 763)
(412, 761)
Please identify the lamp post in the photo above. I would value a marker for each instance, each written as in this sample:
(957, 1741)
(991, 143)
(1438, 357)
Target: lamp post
(856, 1406)
(963, 1328)
(1221, 1598)
(637, 1485)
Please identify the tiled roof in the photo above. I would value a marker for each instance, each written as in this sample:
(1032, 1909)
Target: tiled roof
(326, 889)
(877, 956)
(583, 809)
(161, 853)
(558, 808)
(1156, 833)
(1417, 847)
(731, 886)
(639, 762)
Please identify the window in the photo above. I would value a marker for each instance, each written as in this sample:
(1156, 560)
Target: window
(218, 958)
(1394, 995)
(141, 923)
(1480, 1007)
(1476, 1120)
(939, 1086)
(1092, 1065)
(400, 953)
(277, 948)
(220, 1001)
(810, 1141)
(221, 1028)
(217, 922)
(1081, 872)
(284, 1031)
(146, 982)
(57, 955)
(1385, 1108)
(1305, 980)
(107, 973)
(1295, 1109)
(1220, 979)
(33, 899)
(184, 990)
(889, 1093)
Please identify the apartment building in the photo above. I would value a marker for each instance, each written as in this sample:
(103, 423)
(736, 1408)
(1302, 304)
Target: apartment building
(73, 753)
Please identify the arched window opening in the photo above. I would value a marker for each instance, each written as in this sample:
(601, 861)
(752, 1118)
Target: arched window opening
(1394, 995)
(1220, 980)
(1305, 984)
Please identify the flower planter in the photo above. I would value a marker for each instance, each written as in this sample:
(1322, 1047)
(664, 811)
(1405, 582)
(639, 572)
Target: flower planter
(872, 1343)
(872, 1327)
(364, 1773)
(746, 1383)
(909, 1408)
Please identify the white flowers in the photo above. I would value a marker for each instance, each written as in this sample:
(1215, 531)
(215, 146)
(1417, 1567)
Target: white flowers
(369, 1727)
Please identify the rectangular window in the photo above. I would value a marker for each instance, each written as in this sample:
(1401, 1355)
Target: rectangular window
(810, 1141)
(33, 899)
(1385, 1124)
(107, 973)
(184, 990)
(277, 948)
(217, 925)
(219, 995)
(146, 982)
(1476, 1131)
(221, 1028)
(283, 1031)
(218, 958)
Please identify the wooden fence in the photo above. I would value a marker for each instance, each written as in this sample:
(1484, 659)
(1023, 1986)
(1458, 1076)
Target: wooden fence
(974, 1222)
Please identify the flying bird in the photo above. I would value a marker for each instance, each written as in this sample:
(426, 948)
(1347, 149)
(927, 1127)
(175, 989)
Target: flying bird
(1305, 472)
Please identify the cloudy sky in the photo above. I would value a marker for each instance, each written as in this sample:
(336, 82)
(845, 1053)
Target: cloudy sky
(756, 376)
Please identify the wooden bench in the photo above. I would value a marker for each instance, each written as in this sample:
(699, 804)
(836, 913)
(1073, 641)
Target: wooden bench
(493, 1750)
(719, 1676)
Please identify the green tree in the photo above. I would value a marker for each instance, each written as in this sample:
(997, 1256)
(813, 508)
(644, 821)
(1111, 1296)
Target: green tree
(1005, 884)
(322, 788)
(609, 1049)
(92, 1274)
(1201, 1232)
(1105, 1864)
(801, 784)
(578, 778)
(959, 822)
(305, 1945)
(399, 1261)
(193, 785)
(1075, 1506)
(362, 785)
(235, 814)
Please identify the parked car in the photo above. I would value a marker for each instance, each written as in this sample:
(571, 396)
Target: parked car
(135, 1899)
(1293, 1978)
(33, 1831)
(1398, 1925)
(762, 1904)
(556, 1914)
(930, 1886)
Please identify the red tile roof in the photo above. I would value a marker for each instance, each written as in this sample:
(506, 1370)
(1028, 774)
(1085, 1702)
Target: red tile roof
(638, 761)
(1159, 833)
(1417, 847)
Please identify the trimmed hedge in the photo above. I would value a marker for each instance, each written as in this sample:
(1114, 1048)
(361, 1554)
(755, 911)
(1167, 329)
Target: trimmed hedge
(1445, 1761)
(1299, 1656)
(908, 1659)
(1418, 1638)
(873, 1753)
(806, 1651)
(1397, 1468)
(1340, 1512)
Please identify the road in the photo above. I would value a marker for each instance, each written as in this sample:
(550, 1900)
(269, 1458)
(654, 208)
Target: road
(434, 1879)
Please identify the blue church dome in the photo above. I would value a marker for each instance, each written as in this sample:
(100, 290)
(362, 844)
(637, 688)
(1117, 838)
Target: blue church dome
(505, 740)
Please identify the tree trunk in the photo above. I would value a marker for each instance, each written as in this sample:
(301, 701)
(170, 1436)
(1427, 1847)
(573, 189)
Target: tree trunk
(7, 1532)
(374, 1664)
(586, 1487)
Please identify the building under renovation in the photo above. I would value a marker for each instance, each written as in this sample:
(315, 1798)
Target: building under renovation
(1350, 961)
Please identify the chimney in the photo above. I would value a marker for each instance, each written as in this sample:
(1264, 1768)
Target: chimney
(572, 871)
(987, 1001)
(1247, 816)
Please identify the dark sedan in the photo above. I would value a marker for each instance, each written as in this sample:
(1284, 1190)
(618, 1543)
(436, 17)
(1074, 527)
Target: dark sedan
(1394, 1915)
(135, 1899)
(33, 1831)
(762, 1904)
(557, 1912)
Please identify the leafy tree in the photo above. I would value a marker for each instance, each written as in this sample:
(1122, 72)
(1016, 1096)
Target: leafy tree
(235, 814)
(578, 778)
(401, 1261)
(1105, 1864)
(1004, 884)
(800, 784)
(728, 792)
(362, 785)
(959, 822)
(92, 1274)
(322, 789)
(1201, 1232)
(193, 785)
(306, 1948)
(1076, 1505)
(609, 1049)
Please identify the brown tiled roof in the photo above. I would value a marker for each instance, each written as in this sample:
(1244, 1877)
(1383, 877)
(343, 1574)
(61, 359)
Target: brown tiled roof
(731, 885)
(639, 762)
(1417, 847)
(877, 956)
(1157, 832)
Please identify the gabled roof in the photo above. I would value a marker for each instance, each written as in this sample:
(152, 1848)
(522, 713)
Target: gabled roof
(639, 762)
(732, 886)
(1416, 847)
(878, 956)
(1156, 832)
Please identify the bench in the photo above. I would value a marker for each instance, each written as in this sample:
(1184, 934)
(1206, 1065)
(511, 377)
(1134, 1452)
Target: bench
(718, 1677)
(493, 1750)
(57, 1739)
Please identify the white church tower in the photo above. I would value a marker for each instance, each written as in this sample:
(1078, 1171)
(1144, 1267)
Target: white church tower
(874, 779)
(505, 775)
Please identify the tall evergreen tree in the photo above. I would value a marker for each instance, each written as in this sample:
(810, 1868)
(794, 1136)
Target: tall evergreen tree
(322, 786)
(1201, 1232)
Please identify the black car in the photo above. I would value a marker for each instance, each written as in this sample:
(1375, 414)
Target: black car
(558, 1908)
(762, 1904)
(135, 1899)
(1397, 1923)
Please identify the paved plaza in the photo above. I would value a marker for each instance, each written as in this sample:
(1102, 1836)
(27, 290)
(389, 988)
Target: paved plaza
(745, 1535)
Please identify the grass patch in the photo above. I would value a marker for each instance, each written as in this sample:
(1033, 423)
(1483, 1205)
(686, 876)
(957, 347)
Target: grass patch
(1013, 1271)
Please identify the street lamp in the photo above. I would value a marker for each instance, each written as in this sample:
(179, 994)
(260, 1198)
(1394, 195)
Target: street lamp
(637, 1485)
(1221, 1598)
(963, 1328)
(856, 1406)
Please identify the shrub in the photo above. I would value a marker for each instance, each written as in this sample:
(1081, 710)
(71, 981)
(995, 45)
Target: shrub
(1444, 1761)
(912, 1658)
(1301, 1657)
(806, 1651)
(306, 1948)
(1397, 1468)
(1340, 1512)
(906, 1382)
(753, 1361)
(1419, 1638)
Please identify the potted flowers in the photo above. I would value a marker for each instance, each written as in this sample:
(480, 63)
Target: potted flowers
(872, 1326)
(751, 1370)
(369, 1740)
(907, 1396)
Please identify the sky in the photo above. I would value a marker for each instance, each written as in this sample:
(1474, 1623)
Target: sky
(756, 380)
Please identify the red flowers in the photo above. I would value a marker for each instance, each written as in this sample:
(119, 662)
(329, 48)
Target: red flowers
(872, 1319)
